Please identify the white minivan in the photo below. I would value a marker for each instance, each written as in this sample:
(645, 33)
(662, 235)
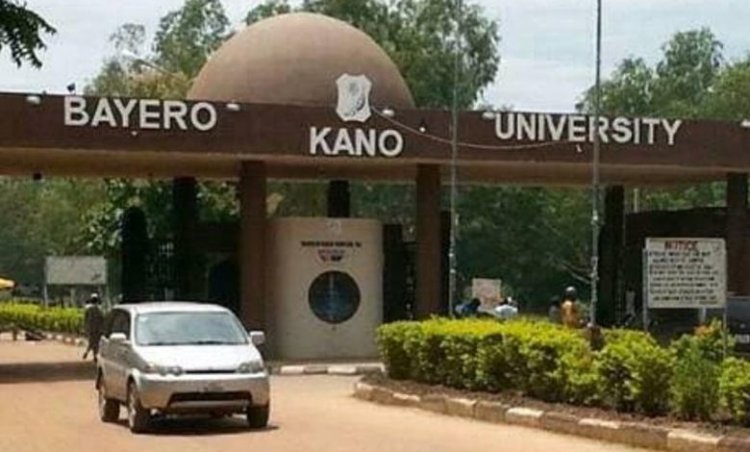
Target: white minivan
(167, 358)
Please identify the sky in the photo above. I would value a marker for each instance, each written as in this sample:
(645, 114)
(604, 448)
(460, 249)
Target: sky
(547, 47)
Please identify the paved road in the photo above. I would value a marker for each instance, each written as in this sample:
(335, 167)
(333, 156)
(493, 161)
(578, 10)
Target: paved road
(47, 403)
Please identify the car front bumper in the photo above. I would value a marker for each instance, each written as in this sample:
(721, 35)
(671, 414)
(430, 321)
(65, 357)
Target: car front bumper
(202, 392)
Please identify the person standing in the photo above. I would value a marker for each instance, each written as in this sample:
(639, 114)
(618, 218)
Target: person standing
(93, 324)
(468, 309)
(507, 309)
(570, 311)
(554, 314)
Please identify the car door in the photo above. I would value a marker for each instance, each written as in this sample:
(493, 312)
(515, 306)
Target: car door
(119, 362)
(103, 357)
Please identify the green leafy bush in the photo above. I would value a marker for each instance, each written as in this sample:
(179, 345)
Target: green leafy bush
(487, 355)
(35, 317)
(581, 379)
(734, 389)
(391, 340)
(541, 352)
(634, 372)
(631, 372)
(712, 340)
(694, 385)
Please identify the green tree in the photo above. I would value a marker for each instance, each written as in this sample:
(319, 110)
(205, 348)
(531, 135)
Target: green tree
(184, 40)
(187, 37)
(684, 76)
(691, 80)
(21, 31)
(728, 98)
(678, 85)
(41, 218)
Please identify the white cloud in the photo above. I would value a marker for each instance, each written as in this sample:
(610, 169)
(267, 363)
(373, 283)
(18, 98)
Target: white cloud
(539, 85)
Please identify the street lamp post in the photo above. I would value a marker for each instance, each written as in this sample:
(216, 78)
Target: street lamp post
(595, 182)
(452, 261)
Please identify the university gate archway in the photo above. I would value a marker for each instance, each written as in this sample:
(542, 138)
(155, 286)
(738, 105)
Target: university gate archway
(303, 96)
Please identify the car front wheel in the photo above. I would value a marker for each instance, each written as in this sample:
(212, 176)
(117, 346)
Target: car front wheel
(138, 417)
(257, 416)
(109, 409)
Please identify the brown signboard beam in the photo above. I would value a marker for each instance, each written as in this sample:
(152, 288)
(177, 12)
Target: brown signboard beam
(152, 138)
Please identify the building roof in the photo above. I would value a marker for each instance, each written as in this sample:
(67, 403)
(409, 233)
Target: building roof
(292, 59)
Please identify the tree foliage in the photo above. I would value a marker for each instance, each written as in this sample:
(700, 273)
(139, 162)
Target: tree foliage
(691, 80)
(21, 30)
(187, 37)
(41, 218)
(182, 44)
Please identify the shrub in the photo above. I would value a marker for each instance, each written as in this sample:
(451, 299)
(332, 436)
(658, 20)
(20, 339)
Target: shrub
(542, 349)
(634, 372)
(734, 389)
(489, 355)
(694, 385)
(580, 376)
(391, 339)
(493, 371)
(34, 317)
(712, 339)
(631, 372)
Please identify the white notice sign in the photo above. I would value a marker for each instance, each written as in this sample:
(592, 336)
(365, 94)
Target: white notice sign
(487, 290)
(685, 273)
(76, 270)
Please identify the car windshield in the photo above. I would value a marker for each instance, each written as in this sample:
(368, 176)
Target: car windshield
(188, 328)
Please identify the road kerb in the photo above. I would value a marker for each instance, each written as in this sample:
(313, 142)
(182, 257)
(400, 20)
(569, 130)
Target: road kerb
(637, 434)
(560, 422)
(683, 440)
(403, 399)
(363, 391)
(462, 407)
(291, 370)
(382, 395)
(432, 402)
(527, 417)
(734, 443)
(315, 369)
(490, 411)
(599, 429)
(342, 370)
(643, 435)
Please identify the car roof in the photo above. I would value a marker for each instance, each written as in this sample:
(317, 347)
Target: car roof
(170, 306)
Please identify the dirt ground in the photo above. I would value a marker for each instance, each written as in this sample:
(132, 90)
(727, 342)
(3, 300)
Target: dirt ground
(48, 403)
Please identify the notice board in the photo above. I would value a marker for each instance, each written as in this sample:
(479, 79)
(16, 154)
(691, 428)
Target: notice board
(685, 273)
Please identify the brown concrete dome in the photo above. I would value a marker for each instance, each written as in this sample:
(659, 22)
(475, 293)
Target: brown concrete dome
(295, 59)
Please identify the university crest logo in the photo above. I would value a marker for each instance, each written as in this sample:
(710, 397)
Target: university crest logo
(353, 98)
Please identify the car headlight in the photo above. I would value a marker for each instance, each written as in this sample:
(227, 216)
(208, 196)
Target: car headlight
(251, 367)
(162, 370)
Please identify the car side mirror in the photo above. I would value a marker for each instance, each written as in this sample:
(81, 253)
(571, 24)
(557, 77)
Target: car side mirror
(118, 338)
(257, 337)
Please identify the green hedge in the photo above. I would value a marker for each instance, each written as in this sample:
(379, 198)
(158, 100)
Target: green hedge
(631, 372)
(541, 359)
(35, 317)
(734, 389)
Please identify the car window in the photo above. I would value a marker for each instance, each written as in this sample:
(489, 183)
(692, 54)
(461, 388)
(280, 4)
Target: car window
(121, 323)
(189, 328)
(107, 325)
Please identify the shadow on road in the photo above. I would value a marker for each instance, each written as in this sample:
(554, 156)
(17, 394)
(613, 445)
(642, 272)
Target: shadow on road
(200, 426)
(47, 372)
